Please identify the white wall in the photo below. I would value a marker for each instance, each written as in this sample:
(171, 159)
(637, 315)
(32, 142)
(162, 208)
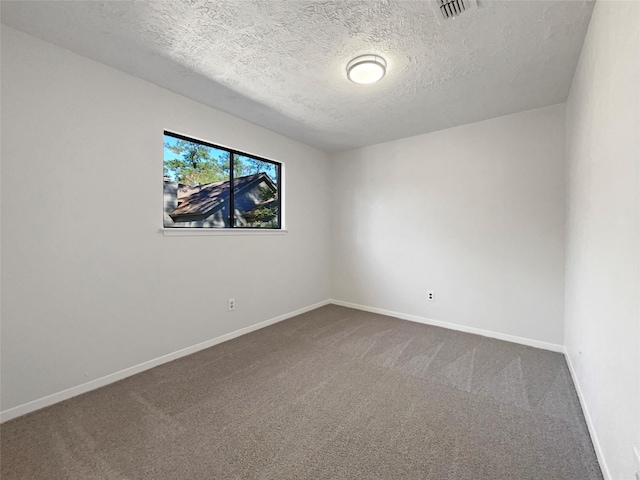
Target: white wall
(474, 213)
(90, 285)
(603, 242)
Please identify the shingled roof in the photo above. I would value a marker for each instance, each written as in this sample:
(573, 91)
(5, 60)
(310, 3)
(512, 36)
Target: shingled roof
(203, 198)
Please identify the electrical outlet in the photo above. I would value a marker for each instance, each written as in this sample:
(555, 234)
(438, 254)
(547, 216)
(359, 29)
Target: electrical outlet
(431, 296)
(232, 304)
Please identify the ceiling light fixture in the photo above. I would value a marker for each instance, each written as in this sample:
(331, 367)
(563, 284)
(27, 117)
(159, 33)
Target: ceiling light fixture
(366, 69)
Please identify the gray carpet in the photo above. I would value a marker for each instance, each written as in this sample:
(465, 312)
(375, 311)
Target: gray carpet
(332, 394)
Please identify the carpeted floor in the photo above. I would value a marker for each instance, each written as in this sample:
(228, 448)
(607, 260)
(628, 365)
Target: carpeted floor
(332, 394)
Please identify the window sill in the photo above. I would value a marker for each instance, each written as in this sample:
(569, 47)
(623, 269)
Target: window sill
(213, 232)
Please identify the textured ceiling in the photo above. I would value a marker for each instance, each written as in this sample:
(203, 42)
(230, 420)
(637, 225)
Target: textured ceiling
(280, 63)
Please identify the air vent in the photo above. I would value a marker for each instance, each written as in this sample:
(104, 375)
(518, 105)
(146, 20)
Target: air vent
(450, 9)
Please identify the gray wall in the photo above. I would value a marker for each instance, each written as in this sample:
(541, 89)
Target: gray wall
(602, 324)
(474, 213)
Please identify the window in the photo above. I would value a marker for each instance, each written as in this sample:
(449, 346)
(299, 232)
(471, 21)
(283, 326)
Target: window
(207, 186)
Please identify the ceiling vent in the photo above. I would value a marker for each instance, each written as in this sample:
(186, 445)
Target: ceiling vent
(450, 9)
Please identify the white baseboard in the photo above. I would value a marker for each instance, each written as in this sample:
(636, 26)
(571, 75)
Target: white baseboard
(592, 429)
(453, 326)
(127, 372)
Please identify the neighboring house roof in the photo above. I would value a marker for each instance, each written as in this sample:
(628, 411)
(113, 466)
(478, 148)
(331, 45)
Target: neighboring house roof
(186, 190)
(200, 200)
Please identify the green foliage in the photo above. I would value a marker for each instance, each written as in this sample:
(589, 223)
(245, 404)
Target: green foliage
(266, 193)
(264, 217)
(240, 168)
(251, 166)
(197, 164)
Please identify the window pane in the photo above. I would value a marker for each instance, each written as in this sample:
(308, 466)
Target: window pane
(196, 184)
(256, 192)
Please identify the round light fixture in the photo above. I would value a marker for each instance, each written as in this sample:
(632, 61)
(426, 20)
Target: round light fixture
(366, 69)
